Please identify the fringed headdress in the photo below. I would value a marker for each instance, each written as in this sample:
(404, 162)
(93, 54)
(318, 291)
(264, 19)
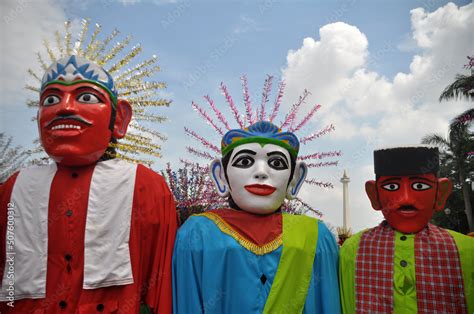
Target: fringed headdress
(107, 67)
(252, 115)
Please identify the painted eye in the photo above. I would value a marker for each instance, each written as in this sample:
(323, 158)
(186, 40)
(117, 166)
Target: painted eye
(88, 98)
(51, 100)
(420, 186)
(244, 162)
(391, 186)
(277, 163)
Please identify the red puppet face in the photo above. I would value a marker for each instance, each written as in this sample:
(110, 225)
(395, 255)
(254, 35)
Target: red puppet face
(74, 122)
(408, 202)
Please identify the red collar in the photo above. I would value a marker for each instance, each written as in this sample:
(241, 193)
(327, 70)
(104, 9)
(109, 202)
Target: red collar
(259, 229)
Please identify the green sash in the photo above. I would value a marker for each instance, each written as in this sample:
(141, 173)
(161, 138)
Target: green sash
(290, 286)
(465, 246)
(347, 262)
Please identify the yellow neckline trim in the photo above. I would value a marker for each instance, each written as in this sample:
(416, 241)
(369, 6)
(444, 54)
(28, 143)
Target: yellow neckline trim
(252, 247)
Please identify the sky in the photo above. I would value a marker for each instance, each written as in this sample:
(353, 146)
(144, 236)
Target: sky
(377, 69)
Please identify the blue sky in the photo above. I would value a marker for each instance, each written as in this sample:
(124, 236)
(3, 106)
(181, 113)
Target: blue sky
(364, 61)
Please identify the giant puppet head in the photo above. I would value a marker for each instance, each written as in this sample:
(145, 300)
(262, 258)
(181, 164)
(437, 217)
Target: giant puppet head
(407, 189)
(79, 112)
(258, 168)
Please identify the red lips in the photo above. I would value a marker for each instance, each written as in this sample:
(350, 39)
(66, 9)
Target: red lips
(260, 189)
(407, 211)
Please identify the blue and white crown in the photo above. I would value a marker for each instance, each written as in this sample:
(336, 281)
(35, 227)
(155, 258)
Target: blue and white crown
(263, 132)
(74, 68)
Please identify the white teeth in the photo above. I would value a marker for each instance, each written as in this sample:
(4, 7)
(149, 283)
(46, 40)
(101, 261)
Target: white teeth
(65, 126)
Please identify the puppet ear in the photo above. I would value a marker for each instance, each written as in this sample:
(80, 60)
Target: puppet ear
(445, 187)
(122, 118)
(218, 177)
(301, 170)
(371, 190)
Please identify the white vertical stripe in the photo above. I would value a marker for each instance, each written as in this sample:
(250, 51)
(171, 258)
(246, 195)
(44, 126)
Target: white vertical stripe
(30, 200)
(107, 254)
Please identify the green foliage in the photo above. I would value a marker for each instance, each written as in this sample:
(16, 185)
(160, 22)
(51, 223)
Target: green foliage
(456, 164)
(454, 215)
(462, 87)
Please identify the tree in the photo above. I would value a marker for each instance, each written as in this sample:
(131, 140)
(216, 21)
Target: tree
(453, 216)
(192, 189)
(459, 146)
(456, 155)
(11, 158)
(463, 85)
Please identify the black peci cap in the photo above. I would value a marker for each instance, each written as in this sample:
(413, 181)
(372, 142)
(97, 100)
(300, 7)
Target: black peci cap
(405, 161)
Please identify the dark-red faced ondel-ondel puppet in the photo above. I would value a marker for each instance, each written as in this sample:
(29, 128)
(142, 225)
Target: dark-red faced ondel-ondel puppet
(406, 264)
(248, 256)
(89, 232)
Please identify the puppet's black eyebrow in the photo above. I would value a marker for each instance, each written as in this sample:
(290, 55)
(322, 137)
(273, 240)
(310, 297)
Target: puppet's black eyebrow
(52, 89)
(422, 179)
(83, 89)
(244, 151)
(279, 154)
(390, 179)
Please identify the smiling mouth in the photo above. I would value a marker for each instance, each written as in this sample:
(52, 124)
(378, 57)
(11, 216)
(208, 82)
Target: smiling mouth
(66, 126)
(70, 125)
(72, 122)
(260, 189)
(407, 209)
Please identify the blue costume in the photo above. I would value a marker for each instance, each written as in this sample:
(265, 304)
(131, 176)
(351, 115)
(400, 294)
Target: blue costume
(214, 273)
(251, 257)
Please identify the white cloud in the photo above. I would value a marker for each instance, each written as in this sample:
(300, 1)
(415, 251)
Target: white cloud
(324, 66)
(341, 118)
(436, 29)
(408, 44)
(330, 201)
(24, 26)
(364, 104)
(129, 2)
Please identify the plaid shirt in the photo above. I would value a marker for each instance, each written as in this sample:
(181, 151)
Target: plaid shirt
(439, 282)
(374, 270)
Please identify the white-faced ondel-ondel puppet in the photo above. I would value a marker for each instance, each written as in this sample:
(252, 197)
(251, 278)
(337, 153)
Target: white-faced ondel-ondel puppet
(251, 257)
(85, 234)
(406, 264)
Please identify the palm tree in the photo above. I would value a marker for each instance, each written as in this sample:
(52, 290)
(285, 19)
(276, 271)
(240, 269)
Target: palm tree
(462, 87)
(456, 151)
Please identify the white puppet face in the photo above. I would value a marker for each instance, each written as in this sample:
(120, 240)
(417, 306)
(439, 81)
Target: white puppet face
(258, 177)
